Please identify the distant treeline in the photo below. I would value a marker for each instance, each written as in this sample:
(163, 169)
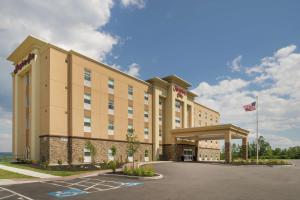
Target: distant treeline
(265, 151)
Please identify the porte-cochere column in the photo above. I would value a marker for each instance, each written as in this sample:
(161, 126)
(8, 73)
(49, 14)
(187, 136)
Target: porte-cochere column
(228, 155)
(245, 148)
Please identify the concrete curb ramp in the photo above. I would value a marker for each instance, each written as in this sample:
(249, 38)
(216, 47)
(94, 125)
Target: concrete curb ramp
(27, 172)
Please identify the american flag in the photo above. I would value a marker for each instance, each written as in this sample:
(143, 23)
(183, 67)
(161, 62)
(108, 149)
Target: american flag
(250, 107)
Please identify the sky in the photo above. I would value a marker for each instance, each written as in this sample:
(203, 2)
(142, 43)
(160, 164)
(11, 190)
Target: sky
(230, 51)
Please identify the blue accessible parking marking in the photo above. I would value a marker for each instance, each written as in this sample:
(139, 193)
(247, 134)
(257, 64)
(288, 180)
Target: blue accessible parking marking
(67, 193)
(133, 184)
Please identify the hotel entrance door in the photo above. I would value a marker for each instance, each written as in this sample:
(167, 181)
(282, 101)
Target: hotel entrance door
(188, 155)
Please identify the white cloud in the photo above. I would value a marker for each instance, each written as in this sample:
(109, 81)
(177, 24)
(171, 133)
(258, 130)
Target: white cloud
(275, 80)
(70, 24)
(5, 129)
(137, 3)
(286, 51)
(236, 65)
(133, 70)
(280, 141)
(5, 142)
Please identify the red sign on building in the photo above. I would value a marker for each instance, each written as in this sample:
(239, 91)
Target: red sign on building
(180, 91)
(24, 62)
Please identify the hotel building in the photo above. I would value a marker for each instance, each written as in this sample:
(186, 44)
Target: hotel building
(63, 101)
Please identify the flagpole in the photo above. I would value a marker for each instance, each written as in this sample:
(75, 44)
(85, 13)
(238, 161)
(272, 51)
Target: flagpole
(256, 129)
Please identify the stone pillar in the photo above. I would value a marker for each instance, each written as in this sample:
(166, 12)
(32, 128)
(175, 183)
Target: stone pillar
(196, 149)
(245, 148)
(228, 152)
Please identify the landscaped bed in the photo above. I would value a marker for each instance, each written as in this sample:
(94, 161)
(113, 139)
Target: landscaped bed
(141, 171)
(11, 175)
(261, 162)
(60, 170)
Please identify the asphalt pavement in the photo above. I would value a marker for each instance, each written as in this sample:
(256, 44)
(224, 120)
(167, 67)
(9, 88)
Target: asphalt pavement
(181, 181)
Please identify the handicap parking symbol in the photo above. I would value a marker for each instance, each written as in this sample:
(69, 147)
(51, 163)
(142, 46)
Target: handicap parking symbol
(66, 193)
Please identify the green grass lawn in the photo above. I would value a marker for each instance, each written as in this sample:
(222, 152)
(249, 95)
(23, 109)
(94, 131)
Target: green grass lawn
(46, 171)
(9, 175)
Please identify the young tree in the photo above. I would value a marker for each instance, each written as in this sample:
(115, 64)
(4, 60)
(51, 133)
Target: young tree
(132, 143)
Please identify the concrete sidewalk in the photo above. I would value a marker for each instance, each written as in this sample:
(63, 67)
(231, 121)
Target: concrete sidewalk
(27, 172)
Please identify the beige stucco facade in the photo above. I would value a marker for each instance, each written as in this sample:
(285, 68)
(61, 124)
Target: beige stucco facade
(64, 99)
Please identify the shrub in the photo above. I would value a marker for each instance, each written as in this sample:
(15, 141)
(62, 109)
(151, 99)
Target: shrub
(113, 165)
(139, 171)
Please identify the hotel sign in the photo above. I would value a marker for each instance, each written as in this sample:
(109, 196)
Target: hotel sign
(180, 91)
(24, 62)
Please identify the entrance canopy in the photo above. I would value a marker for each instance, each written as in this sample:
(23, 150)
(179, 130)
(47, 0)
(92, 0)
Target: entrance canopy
(224, 132)
(217, 132)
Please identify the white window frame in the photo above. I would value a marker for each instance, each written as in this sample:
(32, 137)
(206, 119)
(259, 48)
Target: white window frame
(111, 86)
(87, 81)
(87, 158)
(146, 116)
(146, 157)
(130, 112)
(87, 129)
(130, 92)
(110, 157)
(177, 106)
(129, 127)
(146, 133)
(146, 98)
(177, 122)
(111, 110)
(87, 106)
(160, 105)
(130, 158)
(110, 128)
(160, 133)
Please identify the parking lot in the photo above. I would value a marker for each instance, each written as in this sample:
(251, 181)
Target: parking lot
(58, 189)
(181, 181)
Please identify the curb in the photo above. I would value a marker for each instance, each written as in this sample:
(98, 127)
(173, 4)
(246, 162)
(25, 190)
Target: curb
(160, 176)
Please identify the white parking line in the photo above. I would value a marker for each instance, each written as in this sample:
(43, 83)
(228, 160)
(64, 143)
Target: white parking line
(15, 193)
(7, 196)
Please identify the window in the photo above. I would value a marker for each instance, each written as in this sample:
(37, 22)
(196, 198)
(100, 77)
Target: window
(146, 116)
(111, 127)
(146, 155)
(87, 77)
(87, 124)
(146, 132)
(111, 107)
(87, 101)
(199, 114)
(130, 92)
(177, 106)
(130, 156)
(130, 110)
(87, 155)
(177, 122)
(111, 83)
(109, 155)
(130, 129)
(160, 105)
(160, 132)
(146, 98)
